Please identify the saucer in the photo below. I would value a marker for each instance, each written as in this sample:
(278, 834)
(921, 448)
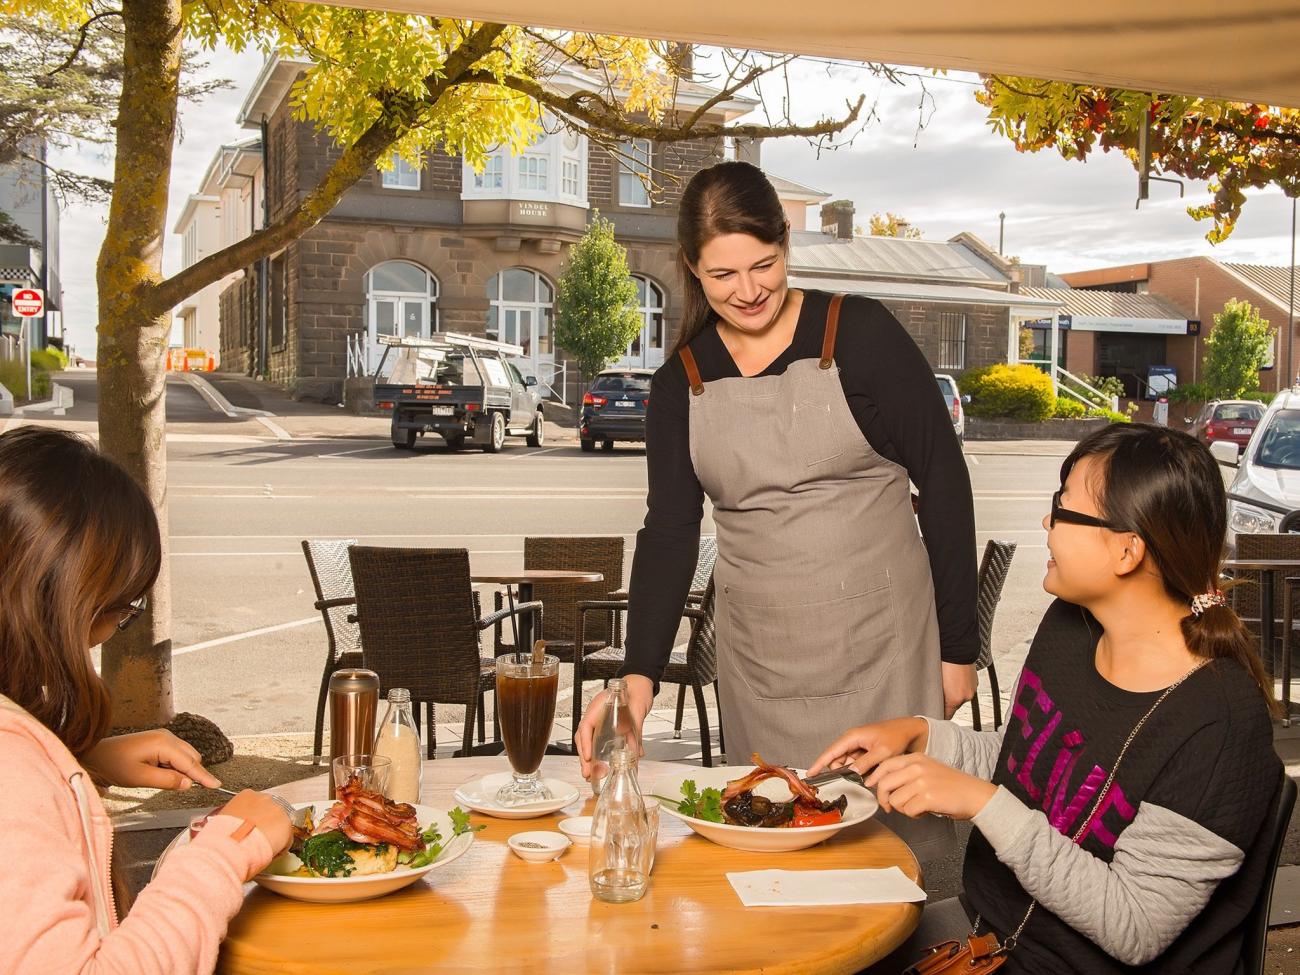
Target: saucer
(480, 796)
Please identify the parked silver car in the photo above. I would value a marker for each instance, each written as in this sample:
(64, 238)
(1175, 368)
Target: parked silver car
(1266, 488)
(955, 402)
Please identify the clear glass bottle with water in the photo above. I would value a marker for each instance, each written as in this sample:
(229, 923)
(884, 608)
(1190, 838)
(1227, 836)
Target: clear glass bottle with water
(622, 845)
(399, 740)
(615, 726)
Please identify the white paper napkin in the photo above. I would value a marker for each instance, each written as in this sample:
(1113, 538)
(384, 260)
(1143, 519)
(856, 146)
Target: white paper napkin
(803, 888)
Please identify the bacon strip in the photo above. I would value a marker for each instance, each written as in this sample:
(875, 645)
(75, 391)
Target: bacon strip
(798, 788)
(368, 817)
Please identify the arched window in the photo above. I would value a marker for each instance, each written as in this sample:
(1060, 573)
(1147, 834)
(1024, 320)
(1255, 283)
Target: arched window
(401, 299)
(521, 304)
(647, 349)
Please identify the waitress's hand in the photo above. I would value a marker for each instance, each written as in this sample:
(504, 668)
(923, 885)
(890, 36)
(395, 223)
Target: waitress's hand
(867, 746)
(640, 695)
(147, 760)
(958, 686)
(917, 784)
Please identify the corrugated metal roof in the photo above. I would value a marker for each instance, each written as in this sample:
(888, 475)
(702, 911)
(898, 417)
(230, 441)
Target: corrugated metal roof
(1108, 304)
(889, 257)
(944, 293)
(1273, 280)
(785, 186)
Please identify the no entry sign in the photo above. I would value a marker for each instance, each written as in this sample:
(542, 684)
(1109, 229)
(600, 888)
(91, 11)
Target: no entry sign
(29, 302)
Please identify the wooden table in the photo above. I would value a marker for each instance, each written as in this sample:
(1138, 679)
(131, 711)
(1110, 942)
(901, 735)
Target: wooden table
(489, 911)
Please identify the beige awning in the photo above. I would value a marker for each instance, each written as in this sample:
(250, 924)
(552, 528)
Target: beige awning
(1243, 50)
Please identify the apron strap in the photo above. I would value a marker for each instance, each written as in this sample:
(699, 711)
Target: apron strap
(828, 337)
(692, 371)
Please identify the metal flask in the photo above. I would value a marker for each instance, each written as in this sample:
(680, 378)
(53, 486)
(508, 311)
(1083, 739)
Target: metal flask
(353, 703)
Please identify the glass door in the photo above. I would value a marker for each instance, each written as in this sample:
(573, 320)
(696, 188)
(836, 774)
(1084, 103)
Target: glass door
(383, 321)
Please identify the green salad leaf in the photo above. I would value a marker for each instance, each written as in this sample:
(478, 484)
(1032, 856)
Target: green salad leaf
(329, 854)
(703, 804)
(433, 840)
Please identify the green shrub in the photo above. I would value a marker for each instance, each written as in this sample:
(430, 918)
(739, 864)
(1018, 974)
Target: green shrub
(1019, 392)
(1189, 393)
(1259, 396)
(1111, 415)
(1068, 408)
(1108, 386)
(42, 385)
(49, 360)
(13, 376)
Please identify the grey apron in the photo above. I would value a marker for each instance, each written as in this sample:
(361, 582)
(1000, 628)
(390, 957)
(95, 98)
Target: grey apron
(825, 602)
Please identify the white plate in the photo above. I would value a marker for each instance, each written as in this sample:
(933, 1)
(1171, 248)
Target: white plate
(480, 796)
(862, 806)
(341, 890)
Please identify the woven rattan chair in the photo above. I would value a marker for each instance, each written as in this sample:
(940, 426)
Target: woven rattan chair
(331, 577)
(695, 667)
(992, 577)
(420, 628)
(1245, 596)
(603, 554)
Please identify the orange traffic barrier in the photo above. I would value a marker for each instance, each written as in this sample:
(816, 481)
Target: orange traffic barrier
(191, 360)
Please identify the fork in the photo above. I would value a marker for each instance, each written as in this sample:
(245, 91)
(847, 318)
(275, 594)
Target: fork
(832, 774)
(297, 817)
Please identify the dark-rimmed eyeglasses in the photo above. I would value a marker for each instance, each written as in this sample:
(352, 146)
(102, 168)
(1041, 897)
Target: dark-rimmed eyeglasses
(1075, 517)
(131, 612)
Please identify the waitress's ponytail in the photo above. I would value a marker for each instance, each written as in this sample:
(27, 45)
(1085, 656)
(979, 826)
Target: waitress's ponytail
(729, 198)
(1165, 486)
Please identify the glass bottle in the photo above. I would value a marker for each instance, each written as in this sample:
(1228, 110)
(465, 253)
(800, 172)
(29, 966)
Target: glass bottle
(398, 740)
(615, 726)
(621, 842)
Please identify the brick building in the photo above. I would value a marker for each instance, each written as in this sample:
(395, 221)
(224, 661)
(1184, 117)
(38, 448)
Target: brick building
(1193, 288)
(410, 251)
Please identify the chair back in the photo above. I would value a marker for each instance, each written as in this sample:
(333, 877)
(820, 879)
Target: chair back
(704, 562)
(331, 577)
(415, 609)
(992, 576)
(1245, 596)
(1273, 831)
(600, 553)
(702, 648)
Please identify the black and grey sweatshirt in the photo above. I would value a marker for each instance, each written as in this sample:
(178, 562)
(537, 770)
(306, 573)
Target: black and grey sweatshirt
(1171, 862)
(892, 394)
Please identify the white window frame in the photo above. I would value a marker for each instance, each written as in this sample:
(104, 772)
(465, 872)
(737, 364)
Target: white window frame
(493, 176)
(631, 166)
(570, 177)
(190, 244)
(956, 345)
(403, 176)
(556, 156)
(533, 172)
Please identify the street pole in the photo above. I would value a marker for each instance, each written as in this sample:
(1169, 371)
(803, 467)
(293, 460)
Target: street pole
(1002, 226)
(27, 347)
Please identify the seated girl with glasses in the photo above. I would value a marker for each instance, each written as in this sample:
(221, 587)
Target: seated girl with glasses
(79, 548)
(1119, 811)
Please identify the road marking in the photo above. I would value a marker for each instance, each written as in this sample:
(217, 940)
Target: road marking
(216, 402)
(246, 635)
(249, 497)
(346, 453)
(535, 453)
(280, 432)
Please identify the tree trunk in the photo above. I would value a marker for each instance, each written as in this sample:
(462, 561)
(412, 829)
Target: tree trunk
(133, 342)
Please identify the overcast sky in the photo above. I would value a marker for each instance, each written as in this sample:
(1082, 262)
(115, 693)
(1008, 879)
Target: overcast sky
(952, 175)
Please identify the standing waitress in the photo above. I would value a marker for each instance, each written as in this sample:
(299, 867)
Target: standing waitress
(802, 415)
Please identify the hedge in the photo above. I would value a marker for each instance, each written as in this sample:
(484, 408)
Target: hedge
(1018, 392)
(1068, 408)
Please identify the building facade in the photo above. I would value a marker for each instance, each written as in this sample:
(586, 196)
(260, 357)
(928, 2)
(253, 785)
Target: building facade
(27, 198)
(227, 208)
(1195, 289)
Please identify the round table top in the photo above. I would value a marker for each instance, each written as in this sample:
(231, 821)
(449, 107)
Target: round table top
(490, 911)
(530, 576)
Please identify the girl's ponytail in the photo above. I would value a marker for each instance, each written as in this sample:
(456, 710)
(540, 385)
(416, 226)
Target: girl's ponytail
(1218, 633)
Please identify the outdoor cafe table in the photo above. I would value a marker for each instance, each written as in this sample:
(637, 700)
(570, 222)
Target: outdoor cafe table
(489, 911)
(525, 579)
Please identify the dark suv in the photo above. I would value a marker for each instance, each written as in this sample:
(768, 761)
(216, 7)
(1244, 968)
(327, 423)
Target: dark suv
(614, 408)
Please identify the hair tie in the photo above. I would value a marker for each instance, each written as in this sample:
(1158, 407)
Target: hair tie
(1205, 600)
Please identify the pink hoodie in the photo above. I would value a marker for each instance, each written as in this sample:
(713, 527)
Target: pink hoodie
(56, 841)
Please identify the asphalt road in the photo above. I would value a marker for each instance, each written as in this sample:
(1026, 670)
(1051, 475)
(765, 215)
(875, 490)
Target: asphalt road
(250, 648)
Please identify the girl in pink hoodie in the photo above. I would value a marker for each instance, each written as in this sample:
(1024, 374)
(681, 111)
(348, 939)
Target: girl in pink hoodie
(79, 549)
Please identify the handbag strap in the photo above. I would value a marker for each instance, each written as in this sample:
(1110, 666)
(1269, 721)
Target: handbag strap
(1011, 939)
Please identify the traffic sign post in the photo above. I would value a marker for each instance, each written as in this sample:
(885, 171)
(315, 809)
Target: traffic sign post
(28, 303)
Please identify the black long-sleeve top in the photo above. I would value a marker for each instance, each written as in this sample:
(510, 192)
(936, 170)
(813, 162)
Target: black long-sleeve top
(892, 394)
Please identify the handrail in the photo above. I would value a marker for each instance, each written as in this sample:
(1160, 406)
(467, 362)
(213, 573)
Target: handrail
(560, 371)
(1058, 372)
(358, 347)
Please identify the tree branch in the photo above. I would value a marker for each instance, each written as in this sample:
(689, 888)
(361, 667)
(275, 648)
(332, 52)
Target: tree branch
(394, 121)
(81, 41)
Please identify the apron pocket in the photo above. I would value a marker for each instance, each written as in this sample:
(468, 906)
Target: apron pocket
(796, 644)
(815, 434)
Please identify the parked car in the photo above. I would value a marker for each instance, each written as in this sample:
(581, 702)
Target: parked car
(461, 387)
(1226, 419)
(956, 403)
(614, 408)
(1266, 488)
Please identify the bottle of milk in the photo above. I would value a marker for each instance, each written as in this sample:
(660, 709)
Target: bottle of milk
(398, 740)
